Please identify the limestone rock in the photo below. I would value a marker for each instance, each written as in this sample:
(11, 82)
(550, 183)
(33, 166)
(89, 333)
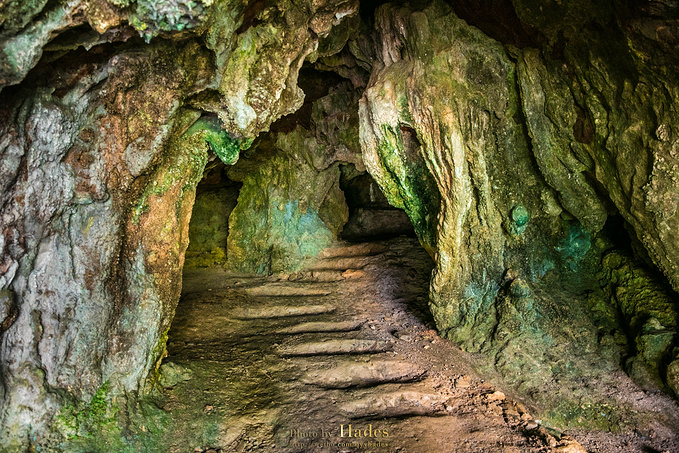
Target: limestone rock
(509, 162)
(172, 374)
(97, 177)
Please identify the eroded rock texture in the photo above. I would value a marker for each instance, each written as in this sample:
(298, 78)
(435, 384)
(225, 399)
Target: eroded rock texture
(528, 141)
(509, 161)
(99, 169)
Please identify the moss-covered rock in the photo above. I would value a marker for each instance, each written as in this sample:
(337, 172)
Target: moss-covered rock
(499, 156)
(642, 312)
(287, 211)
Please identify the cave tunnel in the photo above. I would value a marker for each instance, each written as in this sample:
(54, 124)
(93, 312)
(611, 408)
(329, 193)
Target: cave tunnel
(319, 226)
(291, 329)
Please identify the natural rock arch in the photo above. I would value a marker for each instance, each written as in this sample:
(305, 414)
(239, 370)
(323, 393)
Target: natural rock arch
(508, 157)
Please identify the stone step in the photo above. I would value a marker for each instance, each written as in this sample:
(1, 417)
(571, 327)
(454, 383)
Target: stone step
(310, 327)
(396, 404)
(341, 263)
(366, 249)
(279, 311)
(317, 276)
(331, 347)
(353, 374)
(287, 290)
(326, 275)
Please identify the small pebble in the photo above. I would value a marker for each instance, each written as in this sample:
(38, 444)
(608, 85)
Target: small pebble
(462, 383)
(531, 425)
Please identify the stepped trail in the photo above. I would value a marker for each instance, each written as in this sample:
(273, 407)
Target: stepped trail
(341, 357)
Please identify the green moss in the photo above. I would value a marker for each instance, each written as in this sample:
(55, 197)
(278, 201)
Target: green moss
(159, 351)
(408, 185)
(641, 314)
(223, 145)
(216, 257)
(91, 426)
(572, 414)
(95, 427)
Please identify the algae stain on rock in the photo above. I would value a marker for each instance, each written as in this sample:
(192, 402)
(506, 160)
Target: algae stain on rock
(222, 144)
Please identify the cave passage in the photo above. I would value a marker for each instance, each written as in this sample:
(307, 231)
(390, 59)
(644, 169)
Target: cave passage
(254, 359)
(216, 196)
(305, 307)
(441, 225)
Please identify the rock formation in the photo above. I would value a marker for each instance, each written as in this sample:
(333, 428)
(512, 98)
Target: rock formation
(530, 142)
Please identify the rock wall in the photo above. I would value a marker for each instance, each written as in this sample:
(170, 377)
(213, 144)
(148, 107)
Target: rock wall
(93, 235)
(511, 139)
(509, 161)
(99, 165)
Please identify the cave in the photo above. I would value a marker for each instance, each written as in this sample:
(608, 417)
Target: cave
(424, 226)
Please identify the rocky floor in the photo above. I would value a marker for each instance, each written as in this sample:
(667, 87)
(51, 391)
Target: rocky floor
(339, 358)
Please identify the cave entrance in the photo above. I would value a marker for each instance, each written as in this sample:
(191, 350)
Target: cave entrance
(216, 197)
(298, 273)
(253, 355)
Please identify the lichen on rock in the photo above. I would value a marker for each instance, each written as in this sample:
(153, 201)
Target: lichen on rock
(515, 148)
(513, 159)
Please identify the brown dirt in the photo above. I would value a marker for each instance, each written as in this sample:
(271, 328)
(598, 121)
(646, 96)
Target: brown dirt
(249, 393)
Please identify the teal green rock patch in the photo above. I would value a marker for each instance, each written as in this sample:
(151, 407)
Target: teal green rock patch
(302, 234)
(575, 245)
(287, 212)
(520, 218)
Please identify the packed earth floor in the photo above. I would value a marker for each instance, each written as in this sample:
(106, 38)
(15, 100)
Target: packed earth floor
(341, 357)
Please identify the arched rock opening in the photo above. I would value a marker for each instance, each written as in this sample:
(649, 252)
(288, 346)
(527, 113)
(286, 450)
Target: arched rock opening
(513, 147)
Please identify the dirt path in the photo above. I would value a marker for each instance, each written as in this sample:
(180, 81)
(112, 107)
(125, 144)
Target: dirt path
(340, 358)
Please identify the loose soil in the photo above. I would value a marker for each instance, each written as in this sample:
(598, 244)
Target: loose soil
(342, 357)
